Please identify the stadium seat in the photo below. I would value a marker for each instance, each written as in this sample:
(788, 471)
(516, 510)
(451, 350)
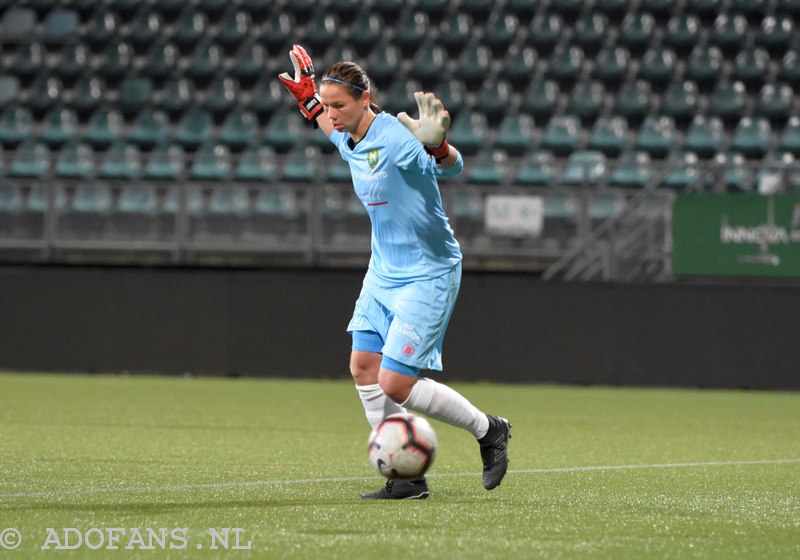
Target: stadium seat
(491, 170)
(72, 63)
(17, 22)
(634, 100)
(609, 135)
(428, 65)
(493, 100)
(30, 159)
(60, 25)
(321, 30)
(258, 163)
(452, 95)
(519, 66)
(75, 160)
(165, 162)
(469, 132)
(339, 172)
(44, 95)
(681, 101)
(585, 167)
(705, 136)
(233, 30)
(239, 129)
(369, 30)
(302, 165)
(248, 64)
(752, 137)
(151, 127)
(658, 67)
(265, 98)
(605, 205)
(751, 67)
(636, 32)
(591, 31)
(105, 127)
(774, 103)
(736, 176)
(500, 32)
(147, 28)
(544, 33)
(789, 70)
(16, 125)
(161, 63)
(657, 136)
(117, 62)
(728, 33)
(587, 101)
(27, 62)
(86, 97)
(433, 9)
(790, 137)
(212, 162)
(400, 96)
(121, 161)
(383, 62)
(12, 201)
(706, 10)
(411, 31)
(135, 92)
(753, 10)
(682, 33)
(728, 101)
(205, 62)
(102, 28)
(92, 198)
(562, 135)
(277, 32)
(221, 96)
(473, 65)
(705, 66)
(177, 96)
(455, 31)
(683, 172)
(661, 9)
(284, 131)
(565, 66)
(775, 34)
(60, 126)
(611, 67)
(515, 134)
(537, 169)
(633, 170)
(541, 99)
(9, 89)
(138, 199)
(195, 127)
(190, 29)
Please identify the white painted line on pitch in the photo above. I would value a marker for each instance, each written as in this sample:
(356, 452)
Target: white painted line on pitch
(212, 485)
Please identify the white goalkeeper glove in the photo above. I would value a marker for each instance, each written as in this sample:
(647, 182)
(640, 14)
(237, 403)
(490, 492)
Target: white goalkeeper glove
(432, 125)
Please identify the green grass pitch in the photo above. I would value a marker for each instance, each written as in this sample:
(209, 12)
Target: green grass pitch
(595, 473)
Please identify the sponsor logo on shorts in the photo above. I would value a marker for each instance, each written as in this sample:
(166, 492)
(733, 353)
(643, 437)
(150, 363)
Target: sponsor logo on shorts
(408, 349)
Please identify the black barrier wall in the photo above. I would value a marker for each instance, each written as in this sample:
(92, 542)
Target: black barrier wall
(510, 328)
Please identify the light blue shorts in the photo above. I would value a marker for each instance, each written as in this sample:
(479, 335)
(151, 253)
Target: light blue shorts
(409, 321)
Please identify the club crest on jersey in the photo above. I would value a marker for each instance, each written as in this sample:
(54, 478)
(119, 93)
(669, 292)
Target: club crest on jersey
(372, 158)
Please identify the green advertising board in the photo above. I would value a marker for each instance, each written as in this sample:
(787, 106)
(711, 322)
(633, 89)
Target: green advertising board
(736, 235)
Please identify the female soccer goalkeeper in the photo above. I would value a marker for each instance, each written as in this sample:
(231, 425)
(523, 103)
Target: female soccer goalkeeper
(414, 274)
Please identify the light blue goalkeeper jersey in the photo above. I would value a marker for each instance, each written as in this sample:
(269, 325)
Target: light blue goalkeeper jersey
(395, 179)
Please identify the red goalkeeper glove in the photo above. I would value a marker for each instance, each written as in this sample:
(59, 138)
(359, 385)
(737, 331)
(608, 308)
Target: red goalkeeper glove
(302, 86)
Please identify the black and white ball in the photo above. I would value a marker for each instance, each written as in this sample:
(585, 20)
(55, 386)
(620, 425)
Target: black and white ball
(402, 446)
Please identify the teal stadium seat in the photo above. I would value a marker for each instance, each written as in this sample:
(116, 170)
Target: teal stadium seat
(452, 94)
(9, 89)
(587, 101)
(248, 64)
(545, 32)
(277, 32)
(752, 137)
(728, 101)
(751, 67)
(790, 137)
(658, 67)
(233, 30)
(657, 136)
(339, 172)
(138, 199)
(774, 103)
(469, 132)
(18, 22)
(121, 161)
(266, 97)
(515, 134)
(682, 33)
(736, 175)
(634, 101)
(681, 102)
(212, 162)
(541, 99)
(562, 135)
(789, 71)
(75, 160)
(473, 65)
(500, 32)
(683, 172)
(117, 63)
(705, 136)
(257, 163)
(429, 64)
(239, 129)
(302, 165)
(60, 25)
(196, 126)
(455, 31)
(776, 34)
(382, 63)
(609, 135)
(221, 97)
(633, 170)
(27, 62)
(538, 168)
(369, 32)
(165, 162)
(101, 29)
(146, 30)
(161, 63)
(151, 127)
(44, 95)
(410, 31)
(519, 66)
(591, 31)
(189, 30)
(16, 125)
(30, 159)
(105, 127)
(205, 63)
(87, 96)
(585, 167)
(728, 33)
(612, 66)
(60, 126)
(753, 10)
(284, 131)
(565, 65)
(493, 100)
(135, 92)
(72, 63)
(492, 170)
(321, 30)
(636, 32)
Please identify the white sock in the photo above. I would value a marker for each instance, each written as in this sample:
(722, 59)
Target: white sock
(376, 404)
(443, 403)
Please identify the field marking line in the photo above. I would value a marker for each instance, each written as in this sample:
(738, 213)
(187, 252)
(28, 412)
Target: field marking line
(212, 485)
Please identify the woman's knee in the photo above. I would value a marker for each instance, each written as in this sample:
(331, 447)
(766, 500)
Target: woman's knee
(364, 367)
(396, 386)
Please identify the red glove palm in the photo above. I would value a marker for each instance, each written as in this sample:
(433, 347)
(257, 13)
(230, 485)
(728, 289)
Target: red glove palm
(302, 86)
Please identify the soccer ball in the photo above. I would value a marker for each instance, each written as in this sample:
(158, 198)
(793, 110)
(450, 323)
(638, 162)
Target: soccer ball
(402, 446)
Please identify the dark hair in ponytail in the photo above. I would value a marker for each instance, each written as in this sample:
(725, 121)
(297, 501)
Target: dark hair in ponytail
(353, 77)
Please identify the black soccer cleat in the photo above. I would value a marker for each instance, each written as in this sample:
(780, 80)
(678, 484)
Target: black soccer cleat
(494, 451)
(400, 490)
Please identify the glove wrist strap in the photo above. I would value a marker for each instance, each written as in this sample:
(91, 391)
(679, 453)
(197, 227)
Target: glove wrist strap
(440, 152)
(311, 108)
